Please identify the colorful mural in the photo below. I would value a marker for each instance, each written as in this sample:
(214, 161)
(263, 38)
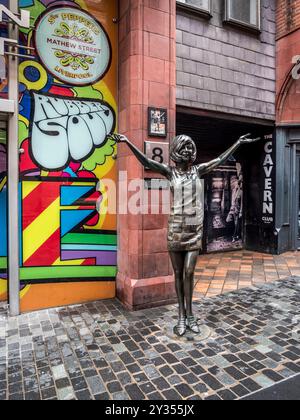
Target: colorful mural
(3, 216)
(68, 240)
(3, 67)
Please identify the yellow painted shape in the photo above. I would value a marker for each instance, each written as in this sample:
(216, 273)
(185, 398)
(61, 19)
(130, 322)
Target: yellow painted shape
(2, 183)
(24, 120)
(29, 38)
(24, 292)
(102, 170)
(35, 235)
(28, 188)
(38, 85)
(82, 4)
(3, 286)
(58, 262)
(108, 96)
(80, 184)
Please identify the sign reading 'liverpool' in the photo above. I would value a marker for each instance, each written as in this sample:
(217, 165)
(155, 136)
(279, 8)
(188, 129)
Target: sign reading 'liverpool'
(73, 46)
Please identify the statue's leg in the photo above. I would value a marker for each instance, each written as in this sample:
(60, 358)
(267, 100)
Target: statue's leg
(189, 274)
(178, 259)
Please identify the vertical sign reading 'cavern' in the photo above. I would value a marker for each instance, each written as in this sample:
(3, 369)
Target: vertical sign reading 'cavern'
(67, 116)
(268, 179)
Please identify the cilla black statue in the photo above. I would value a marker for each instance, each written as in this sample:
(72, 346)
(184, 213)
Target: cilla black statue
(185, 232)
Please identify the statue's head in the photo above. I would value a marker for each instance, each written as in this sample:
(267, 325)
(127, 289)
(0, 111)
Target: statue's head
(183, 150)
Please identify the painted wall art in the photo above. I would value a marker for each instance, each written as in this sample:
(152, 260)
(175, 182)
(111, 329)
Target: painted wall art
(3, 215)
(67, 115)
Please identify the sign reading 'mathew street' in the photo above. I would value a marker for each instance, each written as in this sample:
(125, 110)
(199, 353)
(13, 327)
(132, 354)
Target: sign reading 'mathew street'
(73, 46)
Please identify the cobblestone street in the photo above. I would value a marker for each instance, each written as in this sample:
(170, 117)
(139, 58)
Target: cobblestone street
(101, 351)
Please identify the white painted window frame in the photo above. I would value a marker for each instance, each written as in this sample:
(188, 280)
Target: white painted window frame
(236, 22)
(198, 10)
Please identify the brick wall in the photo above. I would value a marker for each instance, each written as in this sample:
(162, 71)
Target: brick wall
(146, 78)
(288, 88)
(288, 17)
(223, 69)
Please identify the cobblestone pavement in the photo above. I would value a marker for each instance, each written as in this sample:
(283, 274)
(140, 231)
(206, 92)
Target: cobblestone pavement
(101, 351)
(229, 271)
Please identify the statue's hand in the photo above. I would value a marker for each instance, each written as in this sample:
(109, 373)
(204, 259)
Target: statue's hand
(246, 140)
(119, 138)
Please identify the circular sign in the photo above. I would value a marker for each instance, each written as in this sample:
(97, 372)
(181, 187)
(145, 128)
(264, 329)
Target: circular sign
(73, 46)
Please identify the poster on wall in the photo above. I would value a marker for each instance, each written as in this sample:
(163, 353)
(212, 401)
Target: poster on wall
(225, 208)
(67, 115)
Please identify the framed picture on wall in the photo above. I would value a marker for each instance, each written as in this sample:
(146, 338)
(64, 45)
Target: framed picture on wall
(157, 122)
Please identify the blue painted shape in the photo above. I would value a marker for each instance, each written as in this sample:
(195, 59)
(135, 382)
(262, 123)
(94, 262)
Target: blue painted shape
(69, 195)
(3, 222)
(70, 172)
(25, 107)
(89, 248)
(26, 3)
(72, 218)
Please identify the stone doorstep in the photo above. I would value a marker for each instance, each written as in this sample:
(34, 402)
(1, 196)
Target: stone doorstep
(146, 293)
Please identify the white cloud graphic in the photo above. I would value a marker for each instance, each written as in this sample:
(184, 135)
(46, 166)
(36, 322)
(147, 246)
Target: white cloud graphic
(65, 130)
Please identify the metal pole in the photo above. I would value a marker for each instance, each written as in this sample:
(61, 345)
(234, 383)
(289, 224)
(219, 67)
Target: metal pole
(13, 177)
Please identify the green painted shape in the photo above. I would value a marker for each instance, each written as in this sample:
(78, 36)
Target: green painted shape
(87, 92)
(3, 263)
(23, 132)
(66, 272)
(100, 155)
(94, 239)
(35, 11)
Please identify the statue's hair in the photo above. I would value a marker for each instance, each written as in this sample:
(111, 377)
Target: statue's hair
(177, 145)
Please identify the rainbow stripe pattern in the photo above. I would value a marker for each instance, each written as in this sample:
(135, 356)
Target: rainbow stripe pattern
(57, 246)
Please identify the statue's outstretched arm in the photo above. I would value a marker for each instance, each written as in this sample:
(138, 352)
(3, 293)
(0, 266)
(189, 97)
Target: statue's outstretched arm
(205, 168)
(154, 166)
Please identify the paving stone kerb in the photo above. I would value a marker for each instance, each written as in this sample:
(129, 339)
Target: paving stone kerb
(224, 69)
(101, 351)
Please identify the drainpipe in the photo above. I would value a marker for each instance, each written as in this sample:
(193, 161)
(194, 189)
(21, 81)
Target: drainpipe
(13, 176)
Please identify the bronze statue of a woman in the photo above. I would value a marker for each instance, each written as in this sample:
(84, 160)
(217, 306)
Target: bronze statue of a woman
(185, 231)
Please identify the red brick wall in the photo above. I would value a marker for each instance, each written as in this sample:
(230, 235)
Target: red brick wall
(288, 16)
(147, 78)
(287, 47)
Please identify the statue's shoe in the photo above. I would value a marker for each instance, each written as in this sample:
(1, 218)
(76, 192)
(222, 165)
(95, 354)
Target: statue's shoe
(180, 328)
(192, 324)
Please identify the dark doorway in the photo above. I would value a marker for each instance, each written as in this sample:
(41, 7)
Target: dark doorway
(233, 192)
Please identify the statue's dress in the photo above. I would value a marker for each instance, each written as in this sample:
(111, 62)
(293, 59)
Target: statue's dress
(187, 212)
